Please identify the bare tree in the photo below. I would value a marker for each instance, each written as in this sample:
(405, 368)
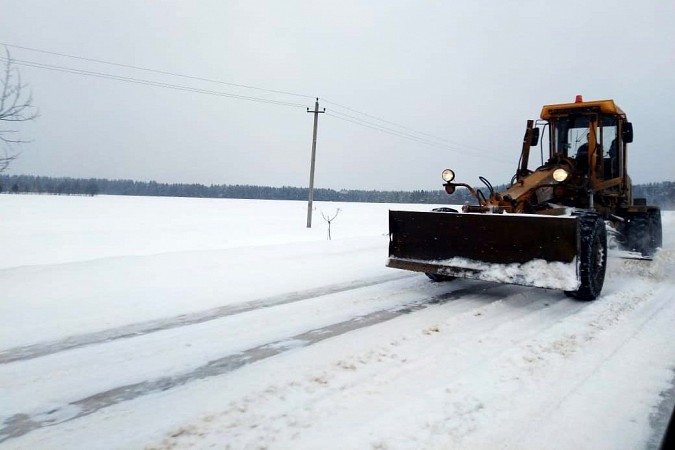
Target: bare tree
(329, 219)
(16, 105)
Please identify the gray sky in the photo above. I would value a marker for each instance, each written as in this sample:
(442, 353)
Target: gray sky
(470, 72)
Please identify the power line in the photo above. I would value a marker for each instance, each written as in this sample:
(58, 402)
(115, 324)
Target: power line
(373, 126)
(383, 120)
(401, 126)
(409, 133)
(444, 141)
(363, 123)
(162, 72)
(149, 82)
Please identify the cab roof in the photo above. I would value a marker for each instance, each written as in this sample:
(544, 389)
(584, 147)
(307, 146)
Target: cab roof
(563, 109)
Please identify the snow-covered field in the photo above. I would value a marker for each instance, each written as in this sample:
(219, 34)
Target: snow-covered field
(131, 322)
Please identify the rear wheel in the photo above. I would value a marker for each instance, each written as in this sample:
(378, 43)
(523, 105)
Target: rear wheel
(592, 258)
(656, 228)
(644, 233)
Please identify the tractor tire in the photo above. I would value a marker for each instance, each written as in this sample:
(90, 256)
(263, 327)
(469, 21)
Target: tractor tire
(635, 231)
(644, 233)
(656, 228)
(436, 278)
(592, 258)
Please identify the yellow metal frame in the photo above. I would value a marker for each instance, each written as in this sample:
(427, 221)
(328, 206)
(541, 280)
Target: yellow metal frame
(606, 107)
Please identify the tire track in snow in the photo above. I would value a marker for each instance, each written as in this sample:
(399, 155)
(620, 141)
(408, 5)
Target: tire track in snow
(643, 313)
(23, 423)
(520, 317)
(491, 345)
(138, 329)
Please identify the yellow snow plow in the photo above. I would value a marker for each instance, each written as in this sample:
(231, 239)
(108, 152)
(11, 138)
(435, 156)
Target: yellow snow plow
(548, 228)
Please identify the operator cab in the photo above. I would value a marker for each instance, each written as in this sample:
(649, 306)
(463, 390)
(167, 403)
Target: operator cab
(578, 136)
(590, 134)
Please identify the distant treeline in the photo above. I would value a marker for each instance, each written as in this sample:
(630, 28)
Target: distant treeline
(95, 186)
(661, 194)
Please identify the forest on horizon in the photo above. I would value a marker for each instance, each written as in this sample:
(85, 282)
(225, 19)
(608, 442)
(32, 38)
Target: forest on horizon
(660, 194)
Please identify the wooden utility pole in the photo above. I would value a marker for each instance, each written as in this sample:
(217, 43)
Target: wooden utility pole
(316, 113)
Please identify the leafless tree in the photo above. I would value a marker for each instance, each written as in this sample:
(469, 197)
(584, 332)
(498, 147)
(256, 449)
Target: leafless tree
(16, 105)
(329, 219)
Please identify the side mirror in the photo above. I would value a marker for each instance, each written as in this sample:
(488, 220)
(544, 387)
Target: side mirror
(627, 133)
(535, 136)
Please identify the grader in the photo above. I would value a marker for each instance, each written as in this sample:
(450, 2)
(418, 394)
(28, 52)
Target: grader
(558, 215)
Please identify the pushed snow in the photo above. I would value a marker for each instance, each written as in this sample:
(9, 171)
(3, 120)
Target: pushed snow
(539, 273)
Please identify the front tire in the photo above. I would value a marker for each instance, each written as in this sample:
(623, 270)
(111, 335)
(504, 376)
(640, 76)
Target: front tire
(592, 258)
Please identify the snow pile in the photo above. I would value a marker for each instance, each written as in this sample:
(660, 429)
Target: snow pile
(538, 273)
(661, 268)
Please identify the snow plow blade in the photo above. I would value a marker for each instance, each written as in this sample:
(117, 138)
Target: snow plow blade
(528, 250)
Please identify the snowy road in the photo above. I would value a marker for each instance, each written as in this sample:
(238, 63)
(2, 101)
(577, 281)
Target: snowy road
(300, 342)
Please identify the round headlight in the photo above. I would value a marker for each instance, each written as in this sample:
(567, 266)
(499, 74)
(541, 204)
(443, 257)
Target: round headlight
(560, 174)
(448, 175)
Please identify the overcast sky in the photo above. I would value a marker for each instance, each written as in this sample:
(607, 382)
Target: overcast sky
(468, 72)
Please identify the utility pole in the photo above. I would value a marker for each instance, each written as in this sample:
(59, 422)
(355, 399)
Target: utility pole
(316, 113)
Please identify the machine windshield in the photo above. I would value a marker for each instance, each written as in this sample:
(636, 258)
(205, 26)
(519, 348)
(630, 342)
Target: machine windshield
(573, 133)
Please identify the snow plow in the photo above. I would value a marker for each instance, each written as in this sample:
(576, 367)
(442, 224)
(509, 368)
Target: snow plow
(550, 227)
